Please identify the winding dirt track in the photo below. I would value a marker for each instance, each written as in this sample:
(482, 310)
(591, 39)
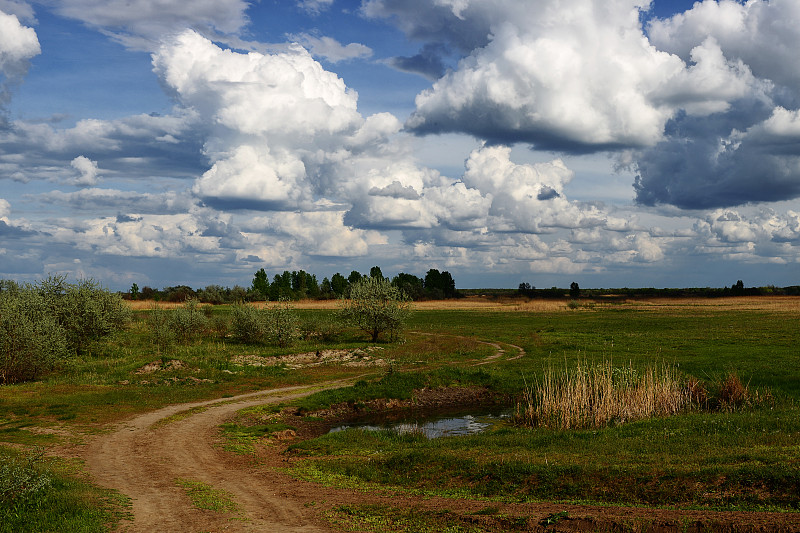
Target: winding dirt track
(144, 456)
(143, 461)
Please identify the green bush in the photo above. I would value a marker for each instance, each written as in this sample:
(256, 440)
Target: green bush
(161, 334)
(21, 479)
(31, 339)
(188, 321)
(247, 324)
(84, 310)
(282, 323)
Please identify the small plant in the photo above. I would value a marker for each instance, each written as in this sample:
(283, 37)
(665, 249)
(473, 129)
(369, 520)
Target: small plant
(553, 518)
(21, 479)
(731, 392)
(573, 304)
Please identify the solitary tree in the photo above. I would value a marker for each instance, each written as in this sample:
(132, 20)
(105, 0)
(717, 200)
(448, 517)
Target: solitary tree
(574, 290)
(376, 306)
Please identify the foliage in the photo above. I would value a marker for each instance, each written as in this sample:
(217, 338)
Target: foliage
(84, 310)
(439, 284)
(281, 323)
(376, 306)
(261, 284)
(188, 321)
(44, 322)
(31, 339)
(23, 478)
(160, 331)
(247, 323)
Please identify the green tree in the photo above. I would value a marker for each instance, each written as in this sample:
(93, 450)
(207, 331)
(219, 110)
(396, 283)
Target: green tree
(339, 285)
(134, 292)
(375, 272)
(376, 306)
(354, 277)
(574, 290)
(410, 284)
(439, 284)
(261, 284)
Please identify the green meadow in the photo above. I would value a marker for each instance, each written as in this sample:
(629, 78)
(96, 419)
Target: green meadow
(725, 456)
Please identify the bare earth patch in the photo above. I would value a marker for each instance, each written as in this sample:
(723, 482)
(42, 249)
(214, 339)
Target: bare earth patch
(353, 358)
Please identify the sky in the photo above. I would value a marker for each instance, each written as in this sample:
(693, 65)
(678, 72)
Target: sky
(613, 143)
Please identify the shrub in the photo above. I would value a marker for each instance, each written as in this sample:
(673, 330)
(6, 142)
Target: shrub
(22, 478)
(281, 323)
(188, 321)
(376, 306)
(161, 333)
(31, 339)
(247, 324)
(84, 310)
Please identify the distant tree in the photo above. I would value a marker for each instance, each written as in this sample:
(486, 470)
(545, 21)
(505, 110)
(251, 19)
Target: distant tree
(574, 290)
(281, 286)
(439, 284)
(261, 284)
(179, 293)
(325, 290)
(339, 285)
(149, 293)
(375, 272)
(134, 291)
(409, 284)
(738, 288)
(526, 289)
(354, 277)
(375, 306)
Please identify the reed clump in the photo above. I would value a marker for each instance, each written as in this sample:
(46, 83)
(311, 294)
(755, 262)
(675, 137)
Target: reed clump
(597, 395)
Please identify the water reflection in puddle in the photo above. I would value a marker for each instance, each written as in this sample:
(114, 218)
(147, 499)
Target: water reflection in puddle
(434, 427)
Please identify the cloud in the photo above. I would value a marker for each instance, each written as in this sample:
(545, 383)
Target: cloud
(141, 24)
(583, 82)
(427, 63)
(314, 7)
(762, 34)
(331, 49)
(139, 146)
(87, 171)
(18, 45)
(96, 200)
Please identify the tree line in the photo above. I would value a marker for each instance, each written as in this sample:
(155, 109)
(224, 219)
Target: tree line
(737, 289)
(300, 285)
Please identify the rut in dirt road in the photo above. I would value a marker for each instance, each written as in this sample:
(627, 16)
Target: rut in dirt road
(143, 462)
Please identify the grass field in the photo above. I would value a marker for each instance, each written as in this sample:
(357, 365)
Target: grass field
(734, 459)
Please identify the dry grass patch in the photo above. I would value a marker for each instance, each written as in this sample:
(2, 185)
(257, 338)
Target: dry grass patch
(594, 396)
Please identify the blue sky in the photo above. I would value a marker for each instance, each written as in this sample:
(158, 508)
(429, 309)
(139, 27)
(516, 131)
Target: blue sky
(613, 143)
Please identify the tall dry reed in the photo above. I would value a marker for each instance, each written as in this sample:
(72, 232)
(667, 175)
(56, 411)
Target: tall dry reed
(592, 396)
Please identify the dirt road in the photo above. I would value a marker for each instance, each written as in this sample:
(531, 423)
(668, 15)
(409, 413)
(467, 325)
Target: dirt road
(143, 460)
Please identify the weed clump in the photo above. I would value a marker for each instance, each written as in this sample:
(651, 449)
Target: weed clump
(593, 396)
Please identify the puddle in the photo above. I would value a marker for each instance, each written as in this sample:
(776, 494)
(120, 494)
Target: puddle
(436, 426)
